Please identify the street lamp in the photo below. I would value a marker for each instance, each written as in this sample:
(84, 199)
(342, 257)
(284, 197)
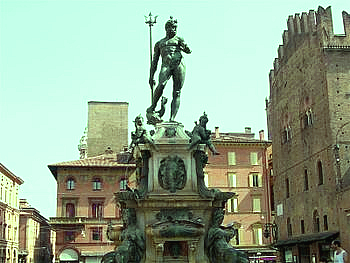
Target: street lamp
(270, 228)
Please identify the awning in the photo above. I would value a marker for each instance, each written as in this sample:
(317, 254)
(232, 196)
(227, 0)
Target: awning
(308, 238)
(93, 254)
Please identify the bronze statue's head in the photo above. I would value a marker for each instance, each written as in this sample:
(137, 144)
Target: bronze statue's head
(171, 26)
(138, 120)
(203, 119)
(218, 216)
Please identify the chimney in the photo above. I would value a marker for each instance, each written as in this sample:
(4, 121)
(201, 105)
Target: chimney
(261, 135)
(217, 133)
(248, 130)
(23, 203)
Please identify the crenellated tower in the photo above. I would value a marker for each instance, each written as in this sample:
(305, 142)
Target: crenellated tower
(308, 121)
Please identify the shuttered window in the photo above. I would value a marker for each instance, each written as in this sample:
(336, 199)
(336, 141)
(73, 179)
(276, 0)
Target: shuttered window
(232, 181)
(231, 158)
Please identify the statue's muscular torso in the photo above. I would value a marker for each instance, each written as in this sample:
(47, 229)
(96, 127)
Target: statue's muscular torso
(170, 50)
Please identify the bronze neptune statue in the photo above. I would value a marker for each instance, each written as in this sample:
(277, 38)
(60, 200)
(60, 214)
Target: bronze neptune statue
(169, 48)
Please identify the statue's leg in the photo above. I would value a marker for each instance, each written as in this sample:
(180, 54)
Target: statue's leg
(178, 79)
(164, 76)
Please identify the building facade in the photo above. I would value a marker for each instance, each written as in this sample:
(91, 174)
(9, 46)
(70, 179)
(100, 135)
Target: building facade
(242, 168)
(86, 204)
(36, 239)
(9, 215)
(309, 122)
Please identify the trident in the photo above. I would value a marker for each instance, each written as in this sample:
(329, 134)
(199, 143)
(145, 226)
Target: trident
(150, 22)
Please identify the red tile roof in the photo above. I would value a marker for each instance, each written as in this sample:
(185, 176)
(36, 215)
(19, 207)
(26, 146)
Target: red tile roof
(105, 160)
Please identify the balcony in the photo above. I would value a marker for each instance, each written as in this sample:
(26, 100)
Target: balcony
(81, 221)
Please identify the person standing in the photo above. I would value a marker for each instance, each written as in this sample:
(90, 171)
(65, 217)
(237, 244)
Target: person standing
(340, 254)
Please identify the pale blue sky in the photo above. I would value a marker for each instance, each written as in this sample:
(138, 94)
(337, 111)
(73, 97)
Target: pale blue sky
(55, 56)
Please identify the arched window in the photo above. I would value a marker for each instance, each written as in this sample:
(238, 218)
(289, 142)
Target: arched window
(320, 172)
(96, 184)
(70, 210)
(316, 221)
(70, 184)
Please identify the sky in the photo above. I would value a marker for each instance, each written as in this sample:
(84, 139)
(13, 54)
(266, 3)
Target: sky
(57, 55)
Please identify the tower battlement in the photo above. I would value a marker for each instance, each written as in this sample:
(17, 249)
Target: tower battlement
(315, 27)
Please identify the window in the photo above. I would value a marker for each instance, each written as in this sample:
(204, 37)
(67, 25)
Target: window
(320, 173)
(255, 180)
(286, 134)
(232, 205)
(302, 226)
(69, 236)
(97, 210)
(96, 184)
(253, 158)
(287, 188)
(256, 204)
(289, 227)
(316, 221)
(231, 156)
(325, 223)
(70, 210)
(96, 233)
(308, 118)
(257, 235)
(306, 180)
(232, 180)
(70, 184)
(123, 184)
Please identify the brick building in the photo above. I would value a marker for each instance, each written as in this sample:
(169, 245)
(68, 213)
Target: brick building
(86, 205)
(9, 215)
(242, 168)
(36, 240)
(309, 122)
(86, 187)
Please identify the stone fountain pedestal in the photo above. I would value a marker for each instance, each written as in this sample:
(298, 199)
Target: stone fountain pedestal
(172, 211)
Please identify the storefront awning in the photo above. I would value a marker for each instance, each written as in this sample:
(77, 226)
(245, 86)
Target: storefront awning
(308, 238)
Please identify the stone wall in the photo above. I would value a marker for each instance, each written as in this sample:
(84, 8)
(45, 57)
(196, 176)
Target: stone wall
(107, 127)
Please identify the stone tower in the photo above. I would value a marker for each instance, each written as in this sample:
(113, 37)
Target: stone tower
(309, 121)
(107, 128)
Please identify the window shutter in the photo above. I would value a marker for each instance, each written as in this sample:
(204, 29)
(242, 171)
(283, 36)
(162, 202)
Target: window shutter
(256, 205)
(253, 158)
(235, 205)
(251, 180)
(259, 180)
(231, 158)
(260, 239)
(229, 205)
(232, 180)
